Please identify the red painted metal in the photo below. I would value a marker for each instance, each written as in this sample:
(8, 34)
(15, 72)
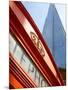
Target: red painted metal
(19, 74)
(17, 29)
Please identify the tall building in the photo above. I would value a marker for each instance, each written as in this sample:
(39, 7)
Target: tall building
(55, 36)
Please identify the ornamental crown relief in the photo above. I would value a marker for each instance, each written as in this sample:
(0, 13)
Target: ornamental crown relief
(37, 43)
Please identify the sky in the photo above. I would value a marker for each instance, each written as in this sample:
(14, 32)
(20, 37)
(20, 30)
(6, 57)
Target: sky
(39, 12)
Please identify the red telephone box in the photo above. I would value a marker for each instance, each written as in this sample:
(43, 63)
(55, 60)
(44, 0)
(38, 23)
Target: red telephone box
(30, 61)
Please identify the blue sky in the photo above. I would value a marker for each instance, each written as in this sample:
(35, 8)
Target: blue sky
(39, 12)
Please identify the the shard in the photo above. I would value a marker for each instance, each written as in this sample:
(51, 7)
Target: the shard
(55, 36)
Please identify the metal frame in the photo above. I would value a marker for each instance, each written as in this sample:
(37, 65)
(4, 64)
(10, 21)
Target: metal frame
(18, 32)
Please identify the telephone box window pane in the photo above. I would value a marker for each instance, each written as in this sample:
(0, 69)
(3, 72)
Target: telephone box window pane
(26, 63)
(12, 44)
(18, 53)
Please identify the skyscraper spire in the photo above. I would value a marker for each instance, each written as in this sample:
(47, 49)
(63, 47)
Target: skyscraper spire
(54, 35)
